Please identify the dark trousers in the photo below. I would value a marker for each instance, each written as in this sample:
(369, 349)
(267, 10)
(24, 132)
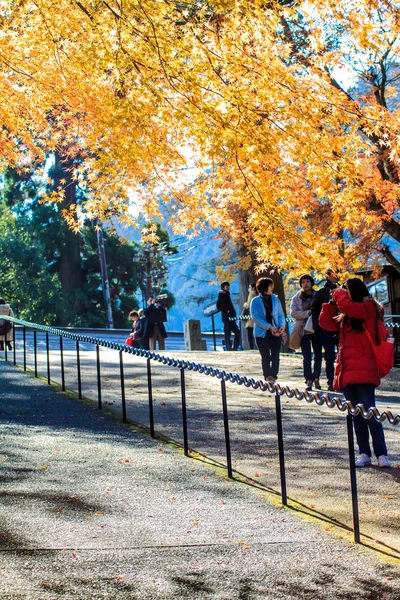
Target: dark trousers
(328, 342)
(250, 337)
(269, 348)
(231, 327)
(364, 393)
(308, 342)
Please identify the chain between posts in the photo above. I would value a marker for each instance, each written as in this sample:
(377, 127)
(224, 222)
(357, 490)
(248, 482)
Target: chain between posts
(320, 399)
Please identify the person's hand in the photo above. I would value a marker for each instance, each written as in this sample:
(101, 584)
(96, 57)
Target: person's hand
(339, 318)
(273, 330)
(281, 329)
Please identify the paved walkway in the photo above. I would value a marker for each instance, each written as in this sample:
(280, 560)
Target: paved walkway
(92, 509)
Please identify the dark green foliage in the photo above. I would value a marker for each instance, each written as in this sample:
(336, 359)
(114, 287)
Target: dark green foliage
(50, 274)
(25, 281)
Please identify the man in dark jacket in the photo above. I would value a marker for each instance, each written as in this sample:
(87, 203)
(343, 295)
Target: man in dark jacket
(327, 339)
(224, 304)
(155, 317)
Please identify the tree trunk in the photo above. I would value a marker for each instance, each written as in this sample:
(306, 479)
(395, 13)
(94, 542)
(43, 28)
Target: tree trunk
(104, 276)
(249, 276)
(70, 267)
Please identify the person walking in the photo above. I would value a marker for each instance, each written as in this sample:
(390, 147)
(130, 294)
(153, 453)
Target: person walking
(155, 317)
(228, 312)
(7, 330)
(300, 310)
(353, 312)
(328, 340)
(249, 326)
(269, 325)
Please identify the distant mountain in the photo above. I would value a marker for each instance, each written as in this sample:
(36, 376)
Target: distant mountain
(193, 282)
(192, 277)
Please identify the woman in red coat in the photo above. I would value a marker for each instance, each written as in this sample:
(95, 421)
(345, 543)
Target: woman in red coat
(356, 374)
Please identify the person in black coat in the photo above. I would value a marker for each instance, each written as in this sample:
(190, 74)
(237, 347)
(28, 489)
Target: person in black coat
(228, 312)
(154, 329)
(327, 339)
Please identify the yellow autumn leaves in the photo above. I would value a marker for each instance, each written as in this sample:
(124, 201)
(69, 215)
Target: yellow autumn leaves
(245, 98)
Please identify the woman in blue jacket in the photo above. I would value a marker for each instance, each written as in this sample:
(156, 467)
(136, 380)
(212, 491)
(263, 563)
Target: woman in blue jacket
(269, 324)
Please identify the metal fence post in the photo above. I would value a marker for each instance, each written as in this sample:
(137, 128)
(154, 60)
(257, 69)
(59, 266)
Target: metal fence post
(78, 368)
(98, 377)
(62, 363)
(150, 389)
(184, 415)
(48, 357)
(15, 349)
(121, 371)
(281, 449)
(353, 479)
(226, 428)
(213, 331)
(35, 352)
(24, 334)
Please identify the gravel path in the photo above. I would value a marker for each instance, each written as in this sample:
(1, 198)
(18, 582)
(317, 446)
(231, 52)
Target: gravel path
(93, 509)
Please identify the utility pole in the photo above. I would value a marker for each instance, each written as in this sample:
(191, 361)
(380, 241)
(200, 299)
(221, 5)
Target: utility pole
(104, 275)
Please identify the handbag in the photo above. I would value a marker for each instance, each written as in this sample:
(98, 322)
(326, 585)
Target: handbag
(296, 335)
(129, 341)
(309, 327)
(383, 350)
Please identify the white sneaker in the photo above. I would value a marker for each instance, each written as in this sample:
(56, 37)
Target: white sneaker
(364, 460)
(383, 462)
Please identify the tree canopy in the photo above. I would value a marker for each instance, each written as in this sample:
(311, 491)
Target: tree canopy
(286, 113)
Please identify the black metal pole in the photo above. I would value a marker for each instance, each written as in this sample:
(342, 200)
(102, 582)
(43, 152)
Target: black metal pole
(213, 330)
(151, 412)
(62, 363)
(48, 357)
(98, 377)
(121, 371)
(226, 428)
(78, 367)
(281, 449)
(5, 348)
(184, 415)
(35, 351)
(24, 334)
(15, 349)
(353, 479)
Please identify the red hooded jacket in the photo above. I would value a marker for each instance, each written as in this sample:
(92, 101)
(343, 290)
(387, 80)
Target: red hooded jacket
(356, 359)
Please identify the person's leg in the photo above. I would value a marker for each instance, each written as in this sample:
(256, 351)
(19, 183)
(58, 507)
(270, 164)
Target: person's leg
(367, 398)
(329, 347)
(275, 344)
(1, 345)
(317, 348)
(144, 344)
(227, 333)
(161, 341)
(352, 393)
(152, 343)
(250, 337)
(306, 351)
(156, 337)
(236, 332)
(263, 347)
